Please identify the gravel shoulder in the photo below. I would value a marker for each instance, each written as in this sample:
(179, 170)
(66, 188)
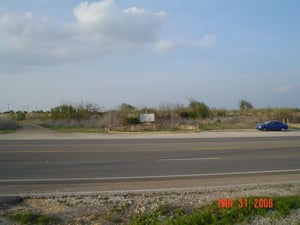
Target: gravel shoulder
(119, 207)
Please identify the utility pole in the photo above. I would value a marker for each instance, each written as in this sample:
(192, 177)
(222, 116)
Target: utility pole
(7, 107)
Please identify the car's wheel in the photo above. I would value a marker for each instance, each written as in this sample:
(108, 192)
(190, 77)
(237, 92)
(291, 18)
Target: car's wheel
(283, 129)
(264, 129)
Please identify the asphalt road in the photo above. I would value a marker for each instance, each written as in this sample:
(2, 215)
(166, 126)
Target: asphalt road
(121, 159)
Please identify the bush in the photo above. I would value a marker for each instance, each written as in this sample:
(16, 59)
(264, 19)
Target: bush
(244, 105)
(28, 217)
(283, 114)
(20, 115)
(132, 120)
(64, 112)
(199, 109)
(71, 112)
(203, 110)
(184, 115)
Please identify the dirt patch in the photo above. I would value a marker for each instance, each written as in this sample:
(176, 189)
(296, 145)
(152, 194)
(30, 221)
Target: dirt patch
(33, 129)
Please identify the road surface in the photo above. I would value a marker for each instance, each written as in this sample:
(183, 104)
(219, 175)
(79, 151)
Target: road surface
(51, 162)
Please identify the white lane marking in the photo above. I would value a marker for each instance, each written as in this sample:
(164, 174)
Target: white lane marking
(187, 159)
(149, 177)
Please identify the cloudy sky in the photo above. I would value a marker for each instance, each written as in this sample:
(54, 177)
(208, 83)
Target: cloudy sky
(148, 53)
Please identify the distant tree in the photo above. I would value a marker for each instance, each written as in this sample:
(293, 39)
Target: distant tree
(89, 107)
(64, 112)
(203, 110)
(198, 109)
(126, 107)
(80, 111)
(243, 104)
(86, 110)
(20, 115)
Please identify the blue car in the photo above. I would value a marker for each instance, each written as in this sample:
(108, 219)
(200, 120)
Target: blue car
(272, 125)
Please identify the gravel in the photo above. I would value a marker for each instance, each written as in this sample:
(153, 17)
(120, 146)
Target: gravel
(118, 207)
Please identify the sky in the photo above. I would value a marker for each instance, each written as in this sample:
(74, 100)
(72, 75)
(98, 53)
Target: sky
(149, 53)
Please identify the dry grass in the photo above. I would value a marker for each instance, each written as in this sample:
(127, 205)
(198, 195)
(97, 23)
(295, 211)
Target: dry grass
(167, 119)
(8, 125)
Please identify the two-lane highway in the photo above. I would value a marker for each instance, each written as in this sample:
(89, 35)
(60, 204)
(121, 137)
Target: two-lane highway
(99, 160)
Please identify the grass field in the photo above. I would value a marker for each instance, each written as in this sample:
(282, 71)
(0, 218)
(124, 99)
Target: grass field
(213, 214)
(166, 120)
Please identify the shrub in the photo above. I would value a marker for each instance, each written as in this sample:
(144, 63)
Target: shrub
(132, 120)
(20, 115)
(64, 112)
(283, 114)
(199, 109)
(243, 104)
(82, 111)
(203, 110)
(28, 217)
(184, 115)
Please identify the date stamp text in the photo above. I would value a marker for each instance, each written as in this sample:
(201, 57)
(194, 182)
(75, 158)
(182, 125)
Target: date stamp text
(257, 203)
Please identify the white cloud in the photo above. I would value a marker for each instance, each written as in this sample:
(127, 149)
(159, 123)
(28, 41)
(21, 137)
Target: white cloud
(167, 46)
(134, 10)
(286, 88)
(100, 28)
(207, 41)
(88, 14)
(106, 21)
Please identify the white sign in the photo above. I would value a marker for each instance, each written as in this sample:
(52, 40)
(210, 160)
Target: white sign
(147, 118)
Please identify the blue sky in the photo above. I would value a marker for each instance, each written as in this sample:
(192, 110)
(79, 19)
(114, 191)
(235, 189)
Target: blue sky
(149, 53)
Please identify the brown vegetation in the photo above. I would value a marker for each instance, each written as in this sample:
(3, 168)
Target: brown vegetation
(196, 116)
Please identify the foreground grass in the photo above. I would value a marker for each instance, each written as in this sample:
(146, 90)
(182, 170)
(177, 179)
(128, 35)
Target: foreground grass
(29, 217)
(282, 211)
(213, 215)
(8, 131)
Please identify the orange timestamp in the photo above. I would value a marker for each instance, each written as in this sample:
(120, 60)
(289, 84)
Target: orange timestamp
(257, 203)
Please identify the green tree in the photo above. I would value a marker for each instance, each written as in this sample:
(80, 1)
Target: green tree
(85, 110)
(64, 112)
(199, 109)
(20, 115)
(244, 105)
(126, 107)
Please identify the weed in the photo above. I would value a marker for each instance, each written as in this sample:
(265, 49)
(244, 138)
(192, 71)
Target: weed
(212, 214)
(107, 216)
(125, 206)
(29, 217)
(116, 208)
